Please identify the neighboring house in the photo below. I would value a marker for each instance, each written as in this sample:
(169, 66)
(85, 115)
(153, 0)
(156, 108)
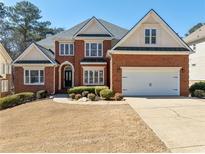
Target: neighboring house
(5, 72)
(150, 59)
(196, 41)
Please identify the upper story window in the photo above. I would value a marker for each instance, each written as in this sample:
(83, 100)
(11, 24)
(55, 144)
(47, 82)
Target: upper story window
(150, 36)
(34, 77)
(93, 50)
(5, 69)
(66, 49)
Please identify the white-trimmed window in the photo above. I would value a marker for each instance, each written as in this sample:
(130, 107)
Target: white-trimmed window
(93, 50)
(66, 49)
(93, 76)
(4, 85)
(5, 68)
(150, 36)
(34, 77)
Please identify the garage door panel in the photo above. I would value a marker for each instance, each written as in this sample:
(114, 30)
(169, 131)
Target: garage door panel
(150, 82)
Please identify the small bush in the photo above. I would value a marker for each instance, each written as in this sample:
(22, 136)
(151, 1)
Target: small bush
(41, 94)
(197, 86)
(106, 94)
(91, 96)
(118, 97)
(77, 96)
(85, 93)
(72, 96)
(99, 88)
(199, 93)
(9, 101)
(80, 89)
(26, 96)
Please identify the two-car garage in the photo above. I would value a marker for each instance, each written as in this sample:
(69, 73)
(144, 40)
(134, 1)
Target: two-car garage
(151, 81)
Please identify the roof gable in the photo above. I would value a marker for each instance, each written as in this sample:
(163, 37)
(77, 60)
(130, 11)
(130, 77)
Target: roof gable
(135, 37)
(34, 54)
(4, 56)
(93, 28)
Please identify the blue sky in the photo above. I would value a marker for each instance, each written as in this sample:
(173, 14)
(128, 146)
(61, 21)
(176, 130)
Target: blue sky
(181, 15)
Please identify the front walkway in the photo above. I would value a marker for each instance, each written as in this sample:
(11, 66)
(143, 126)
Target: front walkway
(179, 122)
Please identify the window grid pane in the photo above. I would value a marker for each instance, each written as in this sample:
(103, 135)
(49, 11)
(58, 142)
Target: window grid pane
(101, 76)
(66, 49)
(71, 49)
(96, 77)
(99, 49)
(86, 77)
(87, 49)
(93, 49)
(62, 49)
(90, 77)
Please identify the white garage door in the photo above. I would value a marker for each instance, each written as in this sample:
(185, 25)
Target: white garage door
(150, 81)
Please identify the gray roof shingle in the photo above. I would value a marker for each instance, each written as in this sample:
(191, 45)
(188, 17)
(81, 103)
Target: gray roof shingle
(48, 42)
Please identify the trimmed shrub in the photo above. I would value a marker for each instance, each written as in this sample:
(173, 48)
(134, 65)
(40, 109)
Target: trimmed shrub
(10, 101)
(85, 93)
(41, 94)
(80, 89)
(78, 96)
(106, 94)
(197, 86)
(99, 88)
(72, 96)
(26, 96)
(118, 97)
(16, 99)
(199, 93)
(91, 96)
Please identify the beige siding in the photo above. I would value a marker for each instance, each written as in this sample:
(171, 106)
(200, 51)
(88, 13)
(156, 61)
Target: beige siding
(33, 54)
(197, 62)
(164, 39)
(94, 28)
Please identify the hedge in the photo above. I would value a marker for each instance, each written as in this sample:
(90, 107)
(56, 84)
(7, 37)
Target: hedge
(16, 99)
(41, 94)
(90, 89)
(196, 86)
(106, 94)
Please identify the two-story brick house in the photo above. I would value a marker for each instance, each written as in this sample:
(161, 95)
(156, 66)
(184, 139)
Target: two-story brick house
(77, 56)
(149, 59)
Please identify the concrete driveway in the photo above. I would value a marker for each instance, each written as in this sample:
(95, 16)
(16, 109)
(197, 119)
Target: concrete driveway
(179, 122)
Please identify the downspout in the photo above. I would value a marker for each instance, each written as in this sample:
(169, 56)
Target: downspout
(54, 80)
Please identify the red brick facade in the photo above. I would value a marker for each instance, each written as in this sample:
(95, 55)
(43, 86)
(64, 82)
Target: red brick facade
(21, 87)
(119, 60)
(49, 84)
(79, 54)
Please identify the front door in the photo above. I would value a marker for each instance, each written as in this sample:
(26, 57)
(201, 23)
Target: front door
(68, 78)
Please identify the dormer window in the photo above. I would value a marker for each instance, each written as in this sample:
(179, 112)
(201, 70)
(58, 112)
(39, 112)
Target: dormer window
(66, 49)
(93, 50)
(150, 36)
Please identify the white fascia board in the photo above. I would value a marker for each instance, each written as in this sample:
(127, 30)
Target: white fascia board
(33, 65)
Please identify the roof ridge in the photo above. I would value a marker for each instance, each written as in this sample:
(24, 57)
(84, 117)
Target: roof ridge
(112, 24)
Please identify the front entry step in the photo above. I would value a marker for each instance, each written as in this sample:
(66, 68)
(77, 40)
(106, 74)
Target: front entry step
(62, 91)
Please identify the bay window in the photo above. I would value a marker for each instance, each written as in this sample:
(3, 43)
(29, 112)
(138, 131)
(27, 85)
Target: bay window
(93, 76)
(93, 50)
(35, 77)
(66, 49)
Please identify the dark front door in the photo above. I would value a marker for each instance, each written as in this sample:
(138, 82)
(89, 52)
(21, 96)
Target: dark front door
(68, 78)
